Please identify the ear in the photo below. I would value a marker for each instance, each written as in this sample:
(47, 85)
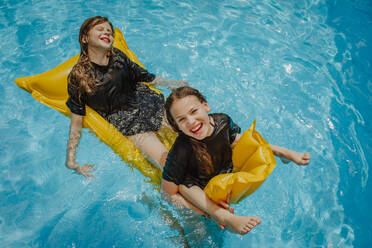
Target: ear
(206, 106)
(85, 39)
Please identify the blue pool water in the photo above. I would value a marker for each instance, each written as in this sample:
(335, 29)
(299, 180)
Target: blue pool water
(302, 69)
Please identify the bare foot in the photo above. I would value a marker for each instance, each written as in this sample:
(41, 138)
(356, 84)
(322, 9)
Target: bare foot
(297, 157)
(242, 224)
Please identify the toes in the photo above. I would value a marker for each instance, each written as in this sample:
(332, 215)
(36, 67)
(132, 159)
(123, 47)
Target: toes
(257, 220)
(245, 230)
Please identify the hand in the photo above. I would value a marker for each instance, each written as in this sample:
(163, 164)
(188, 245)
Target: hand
(226, 205)
(83, 170)
(171, 84)
(174, 84)
(182, 82)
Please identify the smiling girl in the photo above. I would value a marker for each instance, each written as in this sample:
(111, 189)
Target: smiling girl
(106, 80)
(203, 150)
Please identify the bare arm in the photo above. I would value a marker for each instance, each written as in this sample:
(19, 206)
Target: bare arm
(171, 84)
(287, 155)
(283, 153)
(72, 144)
(170, 192)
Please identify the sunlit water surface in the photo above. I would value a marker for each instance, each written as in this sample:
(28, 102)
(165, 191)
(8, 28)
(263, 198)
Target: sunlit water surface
(302, 70)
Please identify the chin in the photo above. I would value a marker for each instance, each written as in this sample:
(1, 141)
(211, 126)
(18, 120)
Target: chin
(200, 136)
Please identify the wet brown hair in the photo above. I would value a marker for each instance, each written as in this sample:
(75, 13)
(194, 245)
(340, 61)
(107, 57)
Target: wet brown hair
(83, 71)
(202, 156)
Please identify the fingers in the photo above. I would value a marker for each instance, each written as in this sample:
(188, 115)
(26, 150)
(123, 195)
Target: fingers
(306, 157)
(184, 83)
(221, 226)
(87, 176)
(228, 197)
(83, 170)
(87, 167)
(223, 204)
(226, 204)
(174, 84)
(232, 210)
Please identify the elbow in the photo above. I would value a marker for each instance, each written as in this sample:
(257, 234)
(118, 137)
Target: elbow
(71, 165)
(168, 195)
(171, 198)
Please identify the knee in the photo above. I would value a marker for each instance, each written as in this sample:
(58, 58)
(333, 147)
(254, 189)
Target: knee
(163, 159)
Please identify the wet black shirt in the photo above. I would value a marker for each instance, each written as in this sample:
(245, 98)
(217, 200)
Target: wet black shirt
(116, 85)
(182, 166)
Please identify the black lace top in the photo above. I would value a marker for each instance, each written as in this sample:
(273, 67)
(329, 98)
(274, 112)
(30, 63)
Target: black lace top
(120, 98)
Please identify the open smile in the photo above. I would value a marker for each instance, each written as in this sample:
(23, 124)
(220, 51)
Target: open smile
(105, 39)
(197, 128)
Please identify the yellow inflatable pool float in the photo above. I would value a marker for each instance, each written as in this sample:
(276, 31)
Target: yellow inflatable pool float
(252, 156)
(253, 161)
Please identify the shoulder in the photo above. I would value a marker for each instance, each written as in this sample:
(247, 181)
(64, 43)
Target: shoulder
(224, 122)
(117, 53)
(119, 58)
(221, 118)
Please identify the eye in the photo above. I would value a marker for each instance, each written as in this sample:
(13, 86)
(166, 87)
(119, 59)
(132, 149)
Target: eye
(194, 111)
(181, 119)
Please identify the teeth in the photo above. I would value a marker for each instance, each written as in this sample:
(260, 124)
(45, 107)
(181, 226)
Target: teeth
(196, 128)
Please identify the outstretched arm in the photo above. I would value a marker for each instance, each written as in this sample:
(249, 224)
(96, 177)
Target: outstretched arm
(171, 84)
(287, 155)
(284, 154)
(72, 144)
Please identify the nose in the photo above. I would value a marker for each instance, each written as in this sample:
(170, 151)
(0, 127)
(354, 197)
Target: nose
(107, 32)
(190, 121)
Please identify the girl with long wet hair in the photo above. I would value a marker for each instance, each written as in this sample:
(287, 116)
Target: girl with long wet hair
(202, 150)
(106, 80)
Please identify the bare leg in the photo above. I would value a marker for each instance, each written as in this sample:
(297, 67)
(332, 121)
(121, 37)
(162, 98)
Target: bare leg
(151, 147)
(236, 223)
(287, 155)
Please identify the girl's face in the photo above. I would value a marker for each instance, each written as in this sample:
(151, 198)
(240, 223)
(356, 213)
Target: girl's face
(100, 36)
(191, 117)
